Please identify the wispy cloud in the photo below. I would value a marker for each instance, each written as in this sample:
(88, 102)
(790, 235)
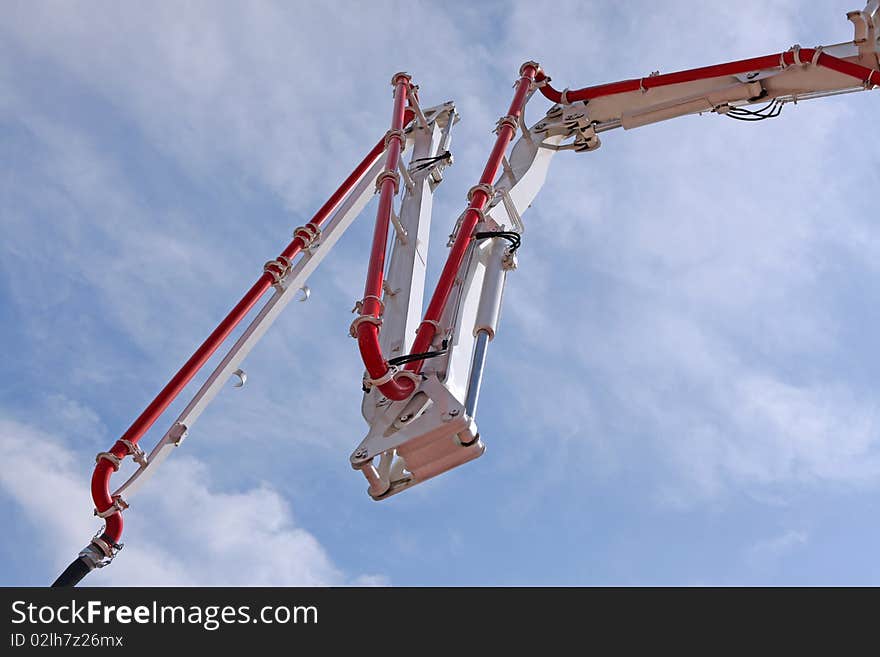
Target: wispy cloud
(771, 549)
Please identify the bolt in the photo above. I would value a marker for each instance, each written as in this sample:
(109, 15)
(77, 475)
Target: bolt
(453, 412)
(405, 418)
(360, 453)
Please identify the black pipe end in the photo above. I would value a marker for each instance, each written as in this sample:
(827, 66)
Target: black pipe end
(74, 573)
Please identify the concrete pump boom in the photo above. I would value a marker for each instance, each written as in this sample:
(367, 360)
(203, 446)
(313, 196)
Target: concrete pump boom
(423, 372)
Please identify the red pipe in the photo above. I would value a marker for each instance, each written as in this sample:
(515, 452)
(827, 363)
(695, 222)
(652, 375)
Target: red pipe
(368, 332)
(718, 70)
(863, 73)
(477, 201)
(104, 469)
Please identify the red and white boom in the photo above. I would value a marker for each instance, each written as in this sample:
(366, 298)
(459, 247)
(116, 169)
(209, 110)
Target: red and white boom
(423, 371)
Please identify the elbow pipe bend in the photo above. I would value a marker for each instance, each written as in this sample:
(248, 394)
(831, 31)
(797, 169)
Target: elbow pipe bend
(394, 385)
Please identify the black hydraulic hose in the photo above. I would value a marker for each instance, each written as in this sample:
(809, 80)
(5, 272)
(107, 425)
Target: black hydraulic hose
(74, 573)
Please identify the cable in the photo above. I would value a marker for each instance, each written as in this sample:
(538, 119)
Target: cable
(514, 238)
(428, 162)
(409, 358)
(769, 111)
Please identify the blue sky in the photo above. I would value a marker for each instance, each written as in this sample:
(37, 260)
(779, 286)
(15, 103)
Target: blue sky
(683, 389)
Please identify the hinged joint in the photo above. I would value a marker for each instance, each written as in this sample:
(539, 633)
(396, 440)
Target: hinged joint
(388, 175)
(278, 268)
(308, 234)
(506, 120)
(488, 190)
(433, 322)
(439, 332)
(119, 505)
(137, 454)
(397, 76)
(795, 51)
(100, 552)
(360, 319)
(359, 305)
(399, 135)
(393, 372)
(531, 63)
(382, 380)
(480, 214)
(366, 317)
(111, 457)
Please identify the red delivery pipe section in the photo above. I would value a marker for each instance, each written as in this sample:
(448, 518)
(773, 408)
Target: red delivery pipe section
(394, 385)
(478, 196)
(108, 462)
(867, 76)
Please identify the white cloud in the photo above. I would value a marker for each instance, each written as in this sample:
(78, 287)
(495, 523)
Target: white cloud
(183, 531)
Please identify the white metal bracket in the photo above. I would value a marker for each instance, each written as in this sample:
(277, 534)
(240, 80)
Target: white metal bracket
(416, 439)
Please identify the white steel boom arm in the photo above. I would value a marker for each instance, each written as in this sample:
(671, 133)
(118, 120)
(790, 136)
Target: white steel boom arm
(424, 368)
